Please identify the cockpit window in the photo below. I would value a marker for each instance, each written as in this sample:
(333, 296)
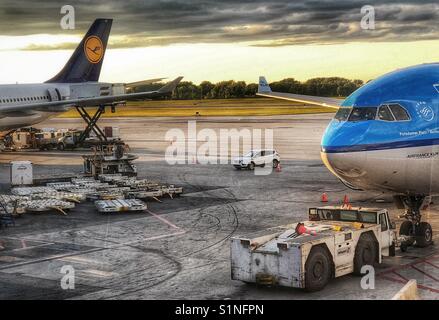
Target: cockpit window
(343, 114)
(385, 114)
(399, 112)
(363, 114)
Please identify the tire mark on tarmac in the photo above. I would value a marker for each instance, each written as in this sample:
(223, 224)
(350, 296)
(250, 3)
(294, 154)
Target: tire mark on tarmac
(201, 211)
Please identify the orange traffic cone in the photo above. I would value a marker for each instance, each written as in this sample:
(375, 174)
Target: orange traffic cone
(324, 197)
(346, 199)
(278, 168)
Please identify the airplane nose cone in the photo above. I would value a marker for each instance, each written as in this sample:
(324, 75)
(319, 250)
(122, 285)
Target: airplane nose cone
(347, 166)
(341, 151)
(350, 168)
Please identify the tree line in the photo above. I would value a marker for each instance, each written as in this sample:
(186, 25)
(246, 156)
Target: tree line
(326, 87)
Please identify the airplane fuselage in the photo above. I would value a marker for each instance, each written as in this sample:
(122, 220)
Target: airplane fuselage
(386, 135)
(75, 85)
(20, 94)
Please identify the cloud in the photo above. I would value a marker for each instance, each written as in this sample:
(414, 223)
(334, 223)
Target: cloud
(140, 23)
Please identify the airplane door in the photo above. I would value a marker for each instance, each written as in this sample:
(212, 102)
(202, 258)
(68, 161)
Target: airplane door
(54, 94)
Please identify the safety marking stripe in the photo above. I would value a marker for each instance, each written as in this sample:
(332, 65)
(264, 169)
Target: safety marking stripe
(420, 286)
(421, 260)
(412, 265)
(163, 220)
(402, 277)
(431, 264)
(425, 273)
(97, 249)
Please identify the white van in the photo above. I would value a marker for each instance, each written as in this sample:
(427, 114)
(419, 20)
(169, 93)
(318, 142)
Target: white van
(258, 158)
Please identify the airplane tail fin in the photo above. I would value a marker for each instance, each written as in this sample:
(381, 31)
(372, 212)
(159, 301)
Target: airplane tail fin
(86, 62)
(263, 86)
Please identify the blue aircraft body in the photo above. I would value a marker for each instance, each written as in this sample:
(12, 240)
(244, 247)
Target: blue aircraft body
(385, 137)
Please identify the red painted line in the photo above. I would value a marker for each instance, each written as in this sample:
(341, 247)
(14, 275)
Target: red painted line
(163, 220)
(405, 279)
(431, 264)
(392, 279)
(408, 265)
(425, 273)
(420, 286)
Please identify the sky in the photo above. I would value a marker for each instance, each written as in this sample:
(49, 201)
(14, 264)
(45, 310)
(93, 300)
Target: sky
(221, 39)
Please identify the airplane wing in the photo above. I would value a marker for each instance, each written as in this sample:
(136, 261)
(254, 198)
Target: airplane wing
(264, 90)
(93, 101)
(132, 85)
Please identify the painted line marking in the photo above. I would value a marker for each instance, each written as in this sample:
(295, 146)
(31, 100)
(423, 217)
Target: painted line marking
(425, 273)
(24, 246)
(98, 273)
(80, 228)
(420, 286)
(71, 254)
(163, 220)
(80, 260)
(31, 247)
(431, 264)
(385, 274)
(403, 278)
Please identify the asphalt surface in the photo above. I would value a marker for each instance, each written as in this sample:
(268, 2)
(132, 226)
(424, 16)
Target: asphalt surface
(179, 249)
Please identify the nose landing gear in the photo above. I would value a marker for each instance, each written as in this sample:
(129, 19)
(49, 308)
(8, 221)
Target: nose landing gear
(413, 230)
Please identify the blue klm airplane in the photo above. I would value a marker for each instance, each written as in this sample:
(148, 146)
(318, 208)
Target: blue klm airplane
(385, 137)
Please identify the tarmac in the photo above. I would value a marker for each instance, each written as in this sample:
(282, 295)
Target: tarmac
(179, 249)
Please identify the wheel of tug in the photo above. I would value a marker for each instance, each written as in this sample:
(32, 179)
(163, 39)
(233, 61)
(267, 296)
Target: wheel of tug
(365, 253)
(251, 166)
(424, 235)
(275, 163)
(318, 268)
(406, 229)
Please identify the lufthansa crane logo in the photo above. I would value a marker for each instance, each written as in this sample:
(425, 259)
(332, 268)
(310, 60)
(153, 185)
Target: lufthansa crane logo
(93, 48)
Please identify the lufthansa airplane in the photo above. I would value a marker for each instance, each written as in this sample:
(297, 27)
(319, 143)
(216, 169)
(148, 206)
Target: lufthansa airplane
(385, 137)
(76, 85)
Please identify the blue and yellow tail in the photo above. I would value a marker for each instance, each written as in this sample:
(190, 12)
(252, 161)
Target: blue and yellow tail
(86, 62)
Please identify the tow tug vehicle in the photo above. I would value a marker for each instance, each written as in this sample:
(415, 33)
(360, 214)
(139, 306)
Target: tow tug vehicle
(336, 241)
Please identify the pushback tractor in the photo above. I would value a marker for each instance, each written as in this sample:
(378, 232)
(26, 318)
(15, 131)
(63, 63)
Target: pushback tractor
(336, 241)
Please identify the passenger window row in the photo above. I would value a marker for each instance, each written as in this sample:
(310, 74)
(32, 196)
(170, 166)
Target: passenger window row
(387, 112)
(37, 98)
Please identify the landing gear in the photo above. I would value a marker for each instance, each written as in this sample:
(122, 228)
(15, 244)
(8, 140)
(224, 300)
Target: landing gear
(407, 229)
(424, 235)
(413, 230)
